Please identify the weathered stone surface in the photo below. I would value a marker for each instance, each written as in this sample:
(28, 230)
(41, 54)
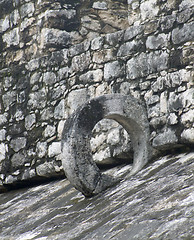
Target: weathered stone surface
(45, 169)
(18, 143)
(30, 120)
(157, 203)
(186, 33)
(77, 161)
(54, 38)
(165, 139)
(113, 70)
(18, 160)
(56, 55)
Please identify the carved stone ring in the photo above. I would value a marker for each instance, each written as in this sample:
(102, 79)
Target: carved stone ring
(77, 160)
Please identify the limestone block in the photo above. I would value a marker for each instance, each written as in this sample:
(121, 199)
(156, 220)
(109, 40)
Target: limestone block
(60, 110)
(54, 149)
(137, 67)
(163, 103)
(4, 24)
(184, 34)
(104, 55)
(154, 111)
(157, 42)
(3, 119)
(97, 43)
(144, 64)
(113, 70)
(30, 120)
(92, 76)
(27, 22)
(33, 64)
(175, 102)
(3, 150)
(172, 119)
(63, 73)
(36, 77)
(184, 15)
(188, 135)
(18, 160)
(149, 9)
(54, 38)
(14, 18)
(166, 139)
(45, 169)
(41, 149)
(187, 98)
(113, 137)
(129, 48)
(97, 142)
(167, 22)
(49, 131)
(28, 174)
(10, 179)
(188, 117)
(12, 38)
(2, 134)
(186, 4)
(18, 143)
(27, 10)
(47, 114)
(9, 98)
(81, 62)
(78, 48)
(49, 78)
(113, 39)
(37, 100)
(100, 5)
(132, 32)
(60, 128)
(103, 157)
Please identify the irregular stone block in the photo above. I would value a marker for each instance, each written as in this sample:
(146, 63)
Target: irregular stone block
(132, 32)
(45, 169)
(188, 136)
(185, 34)
(157, 42)
(145, 64)
(54, 149)
(100, 5)
(81, 62)
(113, 70)
(12, 38)
(3, 149)
(92, 76)
(30, 120)
(49, 78)
(149, 9)
(41, 149)
(76, 155)
(165, 140)
(18, 143)
(18, 160)
(54, 38)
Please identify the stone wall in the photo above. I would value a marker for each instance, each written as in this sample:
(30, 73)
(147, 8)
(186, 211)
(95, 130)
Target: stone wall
(57, 55)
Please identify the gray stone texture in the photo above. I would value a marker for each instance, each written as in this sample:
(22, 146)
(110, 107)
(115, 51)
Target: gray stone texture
(157, 203)
(54, 57)
(77, 160)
